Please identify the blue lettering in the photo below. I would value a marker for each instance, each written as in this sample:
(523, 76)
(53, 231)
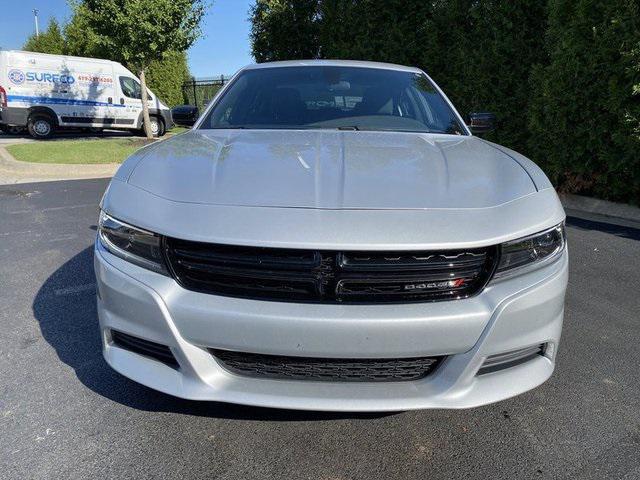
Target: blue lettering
(49, 77)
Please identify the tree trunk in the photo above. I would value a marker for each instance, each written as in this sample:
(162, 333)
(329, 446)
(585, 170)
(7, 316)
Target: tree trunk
(146, 123)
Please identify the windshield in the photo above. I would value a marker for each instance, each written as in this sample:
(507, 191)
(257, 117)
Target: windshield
(351, 98)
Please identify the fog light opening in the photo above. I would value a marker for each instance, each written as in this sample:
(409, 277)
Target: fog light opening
(500, 361)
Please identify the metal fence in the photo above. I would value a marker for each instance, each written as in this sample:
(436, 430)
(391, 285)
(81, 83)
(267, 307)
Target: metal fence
(200, 91)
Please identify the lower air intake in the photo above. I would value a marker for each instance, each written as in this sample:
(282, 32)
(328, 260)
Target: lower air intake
(147, 348)
(326, 369)
(501, 361)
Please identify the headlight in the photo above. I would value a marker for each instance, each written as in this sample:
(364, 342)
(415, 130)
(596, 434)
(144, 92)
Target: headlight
(130, 243)
(530, 252)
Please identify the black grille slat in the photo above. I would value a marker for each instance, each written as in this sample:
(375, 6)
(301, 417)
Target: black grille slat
(231, 285)
(417, 275)
(410, 262)
(246, 272)
(238, 258)
(329, 276)
(326, 369)
(376, 287)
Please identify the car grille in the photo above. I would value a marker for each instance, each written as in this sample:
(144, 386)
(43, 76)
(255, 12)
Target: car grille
(326, 369)
(329, 276)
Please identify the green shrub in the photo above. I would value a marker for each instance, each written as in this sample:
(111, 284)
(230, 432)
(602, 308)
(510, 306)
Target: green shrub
(165, 78)
(582, 123)
(563, 76)
(284, 29)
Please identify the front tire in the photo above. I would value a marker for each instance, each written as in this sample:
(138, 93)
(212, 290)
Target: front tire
(157, 127)
(41, 126)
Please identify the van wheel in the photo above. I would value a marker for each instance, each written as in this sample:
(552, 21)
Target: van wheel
(157, 127)
(40, 126)
(161, 127)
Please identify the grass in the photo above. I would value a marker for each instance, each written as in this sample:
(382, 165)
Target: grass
(81, 151)
(113, 150)
(177, 129)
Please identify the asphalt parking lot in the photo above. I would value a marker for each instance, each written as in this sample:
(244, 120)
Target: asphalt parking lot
(65, 414)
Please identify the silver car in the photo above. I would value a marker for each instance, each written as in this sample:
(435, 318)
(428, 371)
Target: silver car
(332, 236)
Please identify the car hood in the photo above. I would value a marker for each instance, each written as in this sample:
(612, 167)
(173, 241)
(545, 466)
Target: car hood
(329, 170)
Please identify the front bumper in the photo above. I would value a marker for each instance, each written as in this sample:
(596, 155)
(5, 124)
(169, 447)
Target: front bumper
(13, 116)
(508, 315)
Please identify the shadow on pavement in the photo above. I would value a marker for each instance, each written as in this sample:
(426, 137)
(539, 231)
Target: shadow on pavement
(65, 307)
(624, 231)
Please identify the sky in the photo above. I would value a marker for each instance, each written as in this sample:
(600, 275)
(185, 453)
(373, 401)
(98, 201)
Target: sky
(223, 50)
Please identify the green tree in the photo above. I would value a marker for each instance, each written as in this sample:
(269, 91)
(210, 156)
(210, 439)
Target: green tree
(386, 31)
(80, 39)
(284, 29)
(140, 32)
(49, 41)
(633, 114)
(165, 77)
(582, 120)
(482, 53)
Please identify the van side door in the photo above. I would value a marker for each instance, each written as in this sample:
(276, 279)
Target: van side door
(90, 94)
(131, 106)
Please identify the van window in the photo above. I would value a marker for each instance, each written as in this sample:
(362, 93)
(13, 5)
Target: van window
(131, 88)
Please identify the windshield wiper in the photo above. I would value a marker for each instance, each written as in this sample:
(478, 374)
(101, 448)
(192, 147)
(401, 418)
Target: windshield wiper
(348, 127)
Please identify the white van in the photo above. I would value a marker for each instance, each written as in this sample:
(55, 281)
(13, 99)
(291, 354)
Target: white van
(45, 92)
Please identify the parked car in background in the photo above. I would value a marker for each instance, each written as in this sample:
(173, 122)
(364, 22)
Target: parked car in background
(45, 92)
(185, 115)
(331, 236)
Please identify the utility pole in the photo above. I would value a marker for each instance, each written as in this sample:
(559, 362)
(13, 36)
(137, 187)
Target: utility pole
(35, 17)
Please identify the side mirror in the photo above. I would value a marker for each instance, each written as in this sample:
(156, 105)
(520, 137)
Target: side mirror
(482, 122)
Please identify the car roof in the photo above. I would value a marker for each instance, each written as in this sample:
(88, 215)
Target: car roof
(332, 63)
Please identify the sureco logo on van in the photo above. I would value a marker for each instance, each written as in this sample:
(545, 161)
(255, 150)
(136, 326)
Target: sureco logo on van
(18, 77)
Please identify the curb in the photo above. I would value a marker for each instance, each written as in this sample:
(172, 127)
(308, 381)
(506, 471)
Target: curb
(16, 170)
(600, 207)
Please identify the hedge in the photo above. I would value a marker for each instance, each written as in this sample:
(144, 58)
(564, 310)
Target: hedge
(563, 76)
